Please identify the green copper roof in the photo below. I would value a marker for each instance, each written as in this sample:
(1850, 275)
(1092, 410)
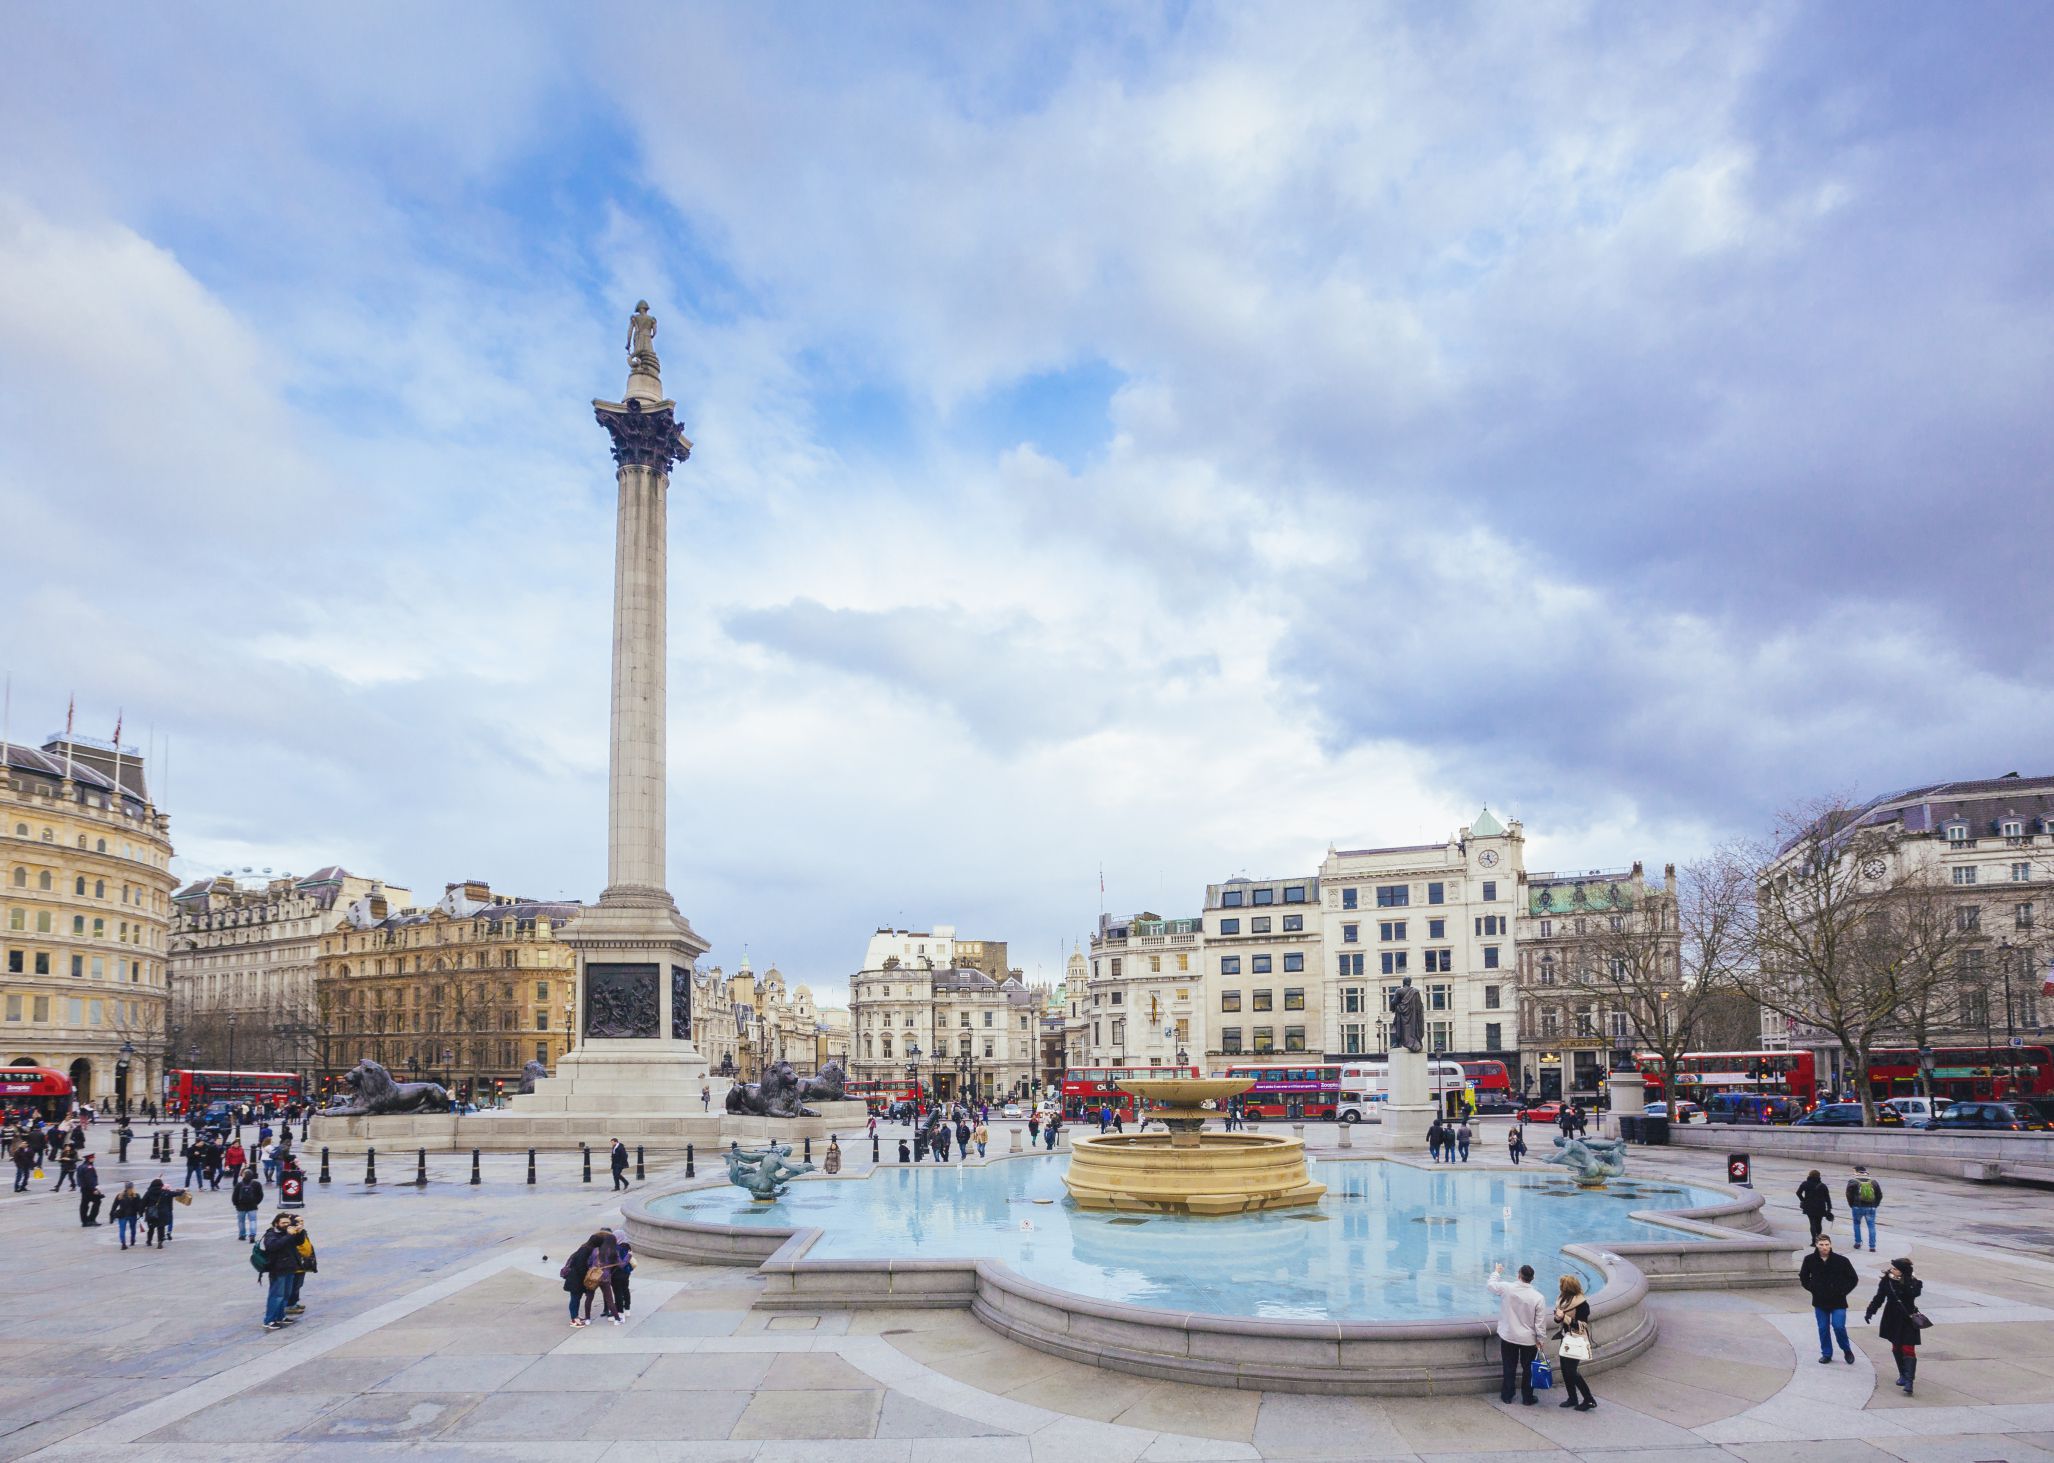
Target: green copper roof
(1486, 826)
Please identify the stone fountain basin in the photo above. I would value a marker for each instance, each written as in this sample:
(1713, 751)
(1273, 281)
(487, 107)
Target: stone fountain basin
(1187, 1091)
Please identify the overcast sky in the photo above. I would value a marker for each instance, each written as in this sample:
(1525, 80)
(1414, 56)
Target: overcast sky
(1167, 439)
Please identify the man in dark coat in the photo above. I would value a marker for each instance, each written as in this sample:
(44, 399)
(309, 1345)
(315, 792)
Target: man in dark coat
(1816, 1200)
(620, 1164)
(89, 1199)
(1830, 1279)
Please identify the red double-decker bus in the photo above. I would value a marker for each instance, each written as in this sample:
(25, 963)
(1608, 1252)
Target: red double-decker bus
(187, 1090)
(44, 1091)
(1965, 1073)
(1289, 1090)
(1087, 1089)
(1492, 1085)
(882, 1097)
(1701, 1076)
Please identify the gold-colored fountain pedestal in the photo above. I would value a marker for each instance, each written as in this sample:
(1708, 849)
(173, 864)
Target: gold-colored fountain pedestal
(1186, 1170)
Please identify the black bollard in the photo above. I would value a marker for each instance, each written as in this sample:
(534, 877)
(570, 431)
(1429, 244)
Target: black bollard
(587, 1147)
(874, 1159)
(421, 1169)
(809, 1150)
(531, 1165)
(324, 1163)
(371, 1167)
(183, 1139)
(690, 1172)
(639, 1174)
(475, 1177)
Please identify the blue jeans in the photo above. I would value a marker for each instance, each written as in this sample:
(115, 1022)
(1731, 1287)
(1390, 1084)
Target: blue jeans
(125, 1231)
(1864, 1213)
(246, 1224)
(277, 1297)
(1837, 1320)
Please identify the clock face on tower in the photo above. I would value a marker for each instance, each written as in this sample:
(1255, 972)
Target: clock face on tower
(1873, 869)
(1488, 858)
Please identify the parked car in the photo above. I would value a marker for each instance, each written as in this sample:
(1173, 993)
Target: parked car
(1013, 1110)
(1546, 1112)
(1990, 1117)
(1917, 1109)
(1847, 1115)
(1686, 1112)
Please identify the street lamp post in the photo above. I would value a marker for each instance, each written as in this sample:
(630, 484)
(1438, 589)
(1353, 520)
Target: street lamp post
(231, 1041)
(121, 1063)
(913, 1076)
(2004, 948)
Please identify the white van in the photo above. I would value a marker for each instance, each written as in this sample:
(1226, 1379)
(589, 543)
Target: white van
(1364, 1085)
(1917, 1110)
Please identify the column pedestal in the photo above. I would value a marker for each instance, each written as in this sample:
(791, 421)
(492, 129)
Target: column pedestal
(1408, 1110)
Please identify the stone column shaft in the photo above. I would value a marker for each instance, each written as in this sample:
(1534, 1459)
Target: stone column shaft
(635, 809)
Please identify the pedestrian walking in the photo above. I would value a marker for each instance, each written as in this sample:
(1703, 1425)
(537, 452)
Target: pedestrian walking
(705, 1097)
(872, 1126)
(275, 1257)
(127, 1210)
(942, 1134)
(1572, 1324)
(1830, 1279)
(1048, 1132)
(233, 1160)
(123, 1136)
(1816, 1200)
(195, 1162)
(1864, 1195)
(1522, 1312)
(67, 1168)
(1105, 1117)
(24, 1162)
(1462, 1139)
(1034, 1127)
(89, 1197)
(620, 1165)
(1896, 1297)
(1515, 1143)
(980, 1135)
(248, 1197)
(962, 1138)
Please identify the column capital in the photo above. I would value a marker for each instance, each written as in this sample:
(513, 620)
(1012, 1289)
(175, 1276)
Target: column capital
(644, 434)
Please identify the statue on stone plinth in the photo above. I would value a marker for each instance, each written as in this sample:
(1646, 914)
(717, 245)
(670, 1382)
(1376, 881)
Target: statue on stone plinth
(373, 1093)
(764, 1172)
(531, 1074)
(1408, 1018)
(776, 1096)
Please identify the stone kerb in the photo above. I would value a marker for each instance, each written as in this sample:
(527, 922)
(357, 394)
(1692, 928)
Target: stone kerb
(1982, 1157)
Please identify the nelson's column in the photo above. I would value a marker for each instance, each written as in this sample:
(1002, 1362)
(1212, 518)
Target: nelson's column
(635, 952)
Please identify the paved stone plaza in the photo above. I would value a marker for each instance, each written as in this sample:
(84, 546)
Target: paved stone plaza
(436, 1329)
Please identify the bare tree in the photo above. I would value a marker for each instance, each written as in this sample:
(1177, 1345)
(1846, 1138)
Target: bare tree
(1851, 933)
(1666, 960)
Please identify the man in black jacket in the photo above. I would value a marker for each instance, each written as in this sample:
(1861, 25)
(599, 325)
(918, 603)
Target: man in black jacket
(280, 1248)
(1830, 1279)
(248, 1197)
(88, 1193)
(620, 1165)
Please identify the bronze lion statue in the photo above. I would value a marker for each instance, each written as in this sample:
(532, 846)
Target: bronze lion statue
(776, 1096)
(373, 1093)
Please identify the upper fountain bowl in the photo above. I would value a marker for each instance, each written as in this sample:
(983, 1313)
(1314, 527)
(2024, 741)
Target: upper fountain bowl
(1187, 1091)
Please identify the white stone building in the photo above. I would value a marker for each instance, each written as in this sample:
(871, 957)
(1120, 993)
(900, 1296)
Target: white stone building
(1143, 1002)
(1263, 983)
(1441, 913)
(916, 1018)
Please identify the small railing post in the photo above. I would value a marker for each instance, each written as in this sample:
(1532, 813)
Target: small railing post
(874, 1160)
(371, 1167)
(421, 1169)
(639, 1173)
(324, 1163)
(476, 1177)
(531, 1165)
(587, 1147)
(690, 1171)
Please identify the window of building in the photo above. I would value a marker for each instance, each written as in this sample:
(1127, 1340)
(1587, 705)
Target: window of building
(39, 1009)
(1439, 960)
(541, 1018)
(1230, 926)
(2012, 828)
(1968, 918)
(1230, 1041)
(1437, 929)
(1391, 929)
(2022, 916)
(1230, 899)
(14, 1007)
(78, 967)
(1348, 898)
(1351, 1038)
(1293, 923)
(79, 887)
(1393, 962)
(1259, 965)
(1294, 894)
(1617, 1022)
(1230, 965)
(1439, 997)
(1295, 960)
(1294, 1038)
(2021, 873)
(1184, 961)
(1155, 965)
(1259, 925)
(1265, 1041)
(1350, 964)
(1393, 896)
(1491, 998)
(1294, 998)
(1436, 894)
(1440, 1035)
(1351, 999)
(1259, 1000)
(1965, 874)
(1493, 1037)
(43, 922)
(1265, 896)
(1350, 934)
(1116, 967)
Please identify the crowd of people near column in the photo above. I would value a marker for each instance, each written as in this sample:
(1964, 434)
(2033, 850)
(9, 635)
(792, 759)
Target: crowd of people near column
(216, 1149)
(941, 1129)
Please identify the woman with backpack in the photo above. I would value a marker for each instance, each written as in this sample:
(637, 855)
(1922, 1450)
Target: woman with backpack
(1897, 1298)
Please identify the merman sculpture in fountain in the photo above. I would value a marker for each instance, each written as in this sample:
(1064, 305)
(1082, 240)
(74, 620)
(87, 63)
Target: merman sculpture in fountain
(1590, 1160)
(1186, 1170)
(766, 1173)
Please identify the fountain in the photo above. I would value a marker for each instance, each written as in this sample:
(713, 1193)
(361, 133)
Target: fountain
(1185, 1170)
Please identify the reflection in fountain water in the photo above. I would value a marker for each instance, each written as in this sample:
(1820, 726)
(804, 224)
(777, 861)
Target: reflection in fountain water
(1397, 1242)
